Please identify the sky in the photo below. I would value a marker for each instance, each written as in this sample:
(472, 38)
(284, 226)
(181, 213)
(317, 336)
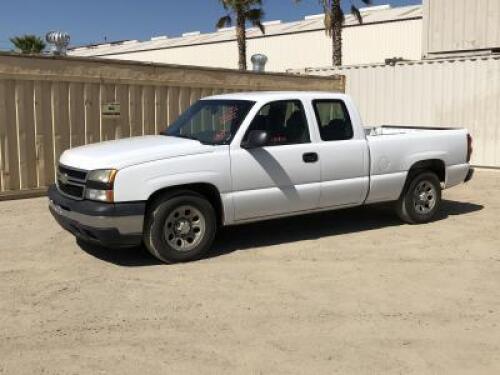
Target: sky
(93, 21)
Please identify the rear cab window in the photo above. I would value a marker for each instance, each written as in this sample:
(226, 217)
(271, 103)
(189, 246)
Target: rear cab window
(333, 120)
(285, 122)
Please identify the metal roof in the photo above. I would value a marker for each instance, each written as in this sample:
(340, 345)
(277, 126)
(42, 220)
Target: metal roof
(371, 15)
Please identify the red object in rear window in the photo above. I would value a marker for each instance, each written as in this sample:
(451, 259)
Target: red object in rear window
(469, 147)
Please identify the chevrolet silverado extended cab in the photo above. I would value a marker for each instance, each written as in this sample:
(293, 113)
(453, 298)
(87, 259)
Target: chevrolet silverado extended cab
(238, 158)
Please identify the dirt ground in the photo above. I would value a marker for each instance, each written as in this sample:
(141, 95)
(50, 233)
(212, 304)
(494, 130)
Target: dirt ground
(347, 292)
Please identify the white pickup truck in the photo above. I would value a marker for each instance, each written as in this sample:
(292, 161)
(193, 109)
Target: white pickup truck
(238, 158)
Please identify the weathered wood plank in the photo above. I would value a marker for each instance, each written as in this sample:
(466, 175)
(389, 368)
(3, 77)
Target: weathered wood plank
(148, 114)
(173, 104)
(25, 121)
(2, 137)
(161, 109)
(108, 125)
(135, 110)
(184, 98)
(195, 95)
(206, 120)
(206, 92)
(44, 140)
(77, 114)
(92, 113)
(8, 137)
(60, 118)
(123, 123)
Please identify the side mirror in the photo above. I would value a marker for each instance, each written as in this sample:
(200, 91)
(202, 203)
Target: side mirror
(256, 139)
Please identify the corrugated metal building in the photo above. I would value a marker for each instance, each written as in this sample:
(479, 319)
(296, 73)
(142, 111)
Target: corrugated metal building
(386, 33)
(453, 92)
(458, 84)
(461, 27)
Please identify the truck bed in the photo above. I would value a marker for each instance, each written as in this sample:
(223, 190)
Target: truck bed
(395, 149)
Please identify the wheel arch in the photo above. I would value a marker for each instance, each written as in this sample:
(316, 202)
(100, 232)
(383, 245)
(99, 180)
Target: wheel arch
(437, 166)
(206, 190)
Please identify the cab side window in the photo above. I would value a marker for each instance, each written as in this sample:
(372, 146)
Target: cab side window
(333, 120)
(284, 121)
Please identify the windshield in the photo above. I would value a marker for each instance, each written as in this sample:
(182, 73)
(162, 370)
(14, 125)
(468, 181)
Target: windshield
(212, 122)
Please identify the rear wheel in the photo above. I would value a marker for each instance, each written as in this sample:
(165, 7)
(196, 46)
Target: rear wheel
(421, 198)
(180, 228)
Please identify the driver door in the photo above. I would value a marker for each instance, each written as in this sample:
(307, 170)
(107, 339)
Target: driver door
(283, 176)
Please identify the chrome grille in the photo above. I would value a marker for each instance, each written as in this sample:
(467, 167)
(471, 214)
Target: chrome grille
(71, 181)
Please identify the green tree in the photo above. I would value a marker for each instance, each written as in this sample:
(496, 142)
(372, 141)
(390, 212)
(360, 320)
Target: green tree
(30, 44)
(242, 11)
(334, 20)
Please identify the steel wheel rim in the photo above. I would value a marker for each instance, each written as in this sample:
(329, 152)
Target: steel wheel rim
(185, 228)
(424, 198)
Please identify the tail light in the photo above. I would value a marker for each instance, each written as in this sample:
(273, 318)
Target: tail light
(469, 147)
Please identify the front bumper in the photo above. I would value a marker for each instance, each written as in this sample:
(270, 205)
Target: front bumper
(469, 176)
(111, 225)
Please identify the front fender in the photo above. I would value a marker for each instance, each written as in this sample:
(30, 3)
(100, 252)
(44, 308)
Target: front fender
(139, 182)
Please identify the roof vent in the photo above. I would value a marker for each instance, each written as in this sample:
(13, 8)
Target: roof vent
(271, 23)
(375, 8)
(314, 16)
(59, 40)
(259, 62)
(223, 29)
(192, 33)
(160, 37)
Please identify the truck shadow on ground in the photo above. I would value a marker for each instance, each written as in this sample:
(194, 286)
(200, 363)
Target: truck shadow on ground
(282, 231)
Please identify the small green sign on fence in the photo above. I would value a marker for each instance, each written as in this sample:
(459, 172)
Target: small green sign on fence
(110, 110)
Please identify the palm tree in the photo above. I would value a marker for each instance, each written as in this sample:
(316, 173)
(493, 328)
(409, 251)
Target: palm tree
(243, 11)
(29, 44)
(334, 19)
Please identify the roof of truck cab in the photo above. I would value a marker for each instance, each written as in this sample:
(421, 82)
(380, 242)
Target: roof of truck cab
(275, 95)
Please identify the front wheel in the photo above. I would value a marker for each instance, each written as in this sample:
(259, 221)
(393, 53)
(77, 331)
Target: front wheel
(180, 228)
(421, 199)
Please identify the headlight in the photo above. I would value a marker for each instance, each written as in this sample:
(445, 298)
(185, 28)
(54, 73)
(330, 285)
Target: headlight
(100, 185)
(103, 176)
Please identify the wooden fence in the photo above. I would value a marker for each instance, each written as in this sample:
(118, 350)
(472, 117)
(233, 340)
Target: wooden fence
(50, 104)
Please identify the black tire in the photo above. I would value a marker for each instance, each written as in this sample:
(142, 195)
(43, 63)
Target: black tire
(160, 236)
(415, 205)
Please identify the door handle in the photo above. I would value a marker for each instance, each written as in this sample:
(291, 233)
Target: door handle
(310, 157)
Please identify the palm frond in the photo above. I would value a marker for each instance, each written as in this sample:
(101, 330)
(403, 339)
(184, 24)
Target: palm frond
(357, 14)
(355, 11)
(224, 21)
(224, 4)
(242, 11)
(255, 17)
(29, 44)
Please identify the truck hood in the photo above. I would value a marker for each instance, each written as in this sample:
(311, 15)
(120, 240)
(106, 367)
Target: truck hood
(130, 151)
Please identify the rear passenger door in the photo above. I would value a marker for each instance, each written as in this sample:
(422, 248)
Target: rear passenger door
(284, 175)
(344, 158)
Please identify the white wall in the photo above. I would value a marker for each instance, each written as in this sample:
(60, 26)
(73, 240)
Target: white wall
(453, 92)
(366, 44)
(460, 25)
